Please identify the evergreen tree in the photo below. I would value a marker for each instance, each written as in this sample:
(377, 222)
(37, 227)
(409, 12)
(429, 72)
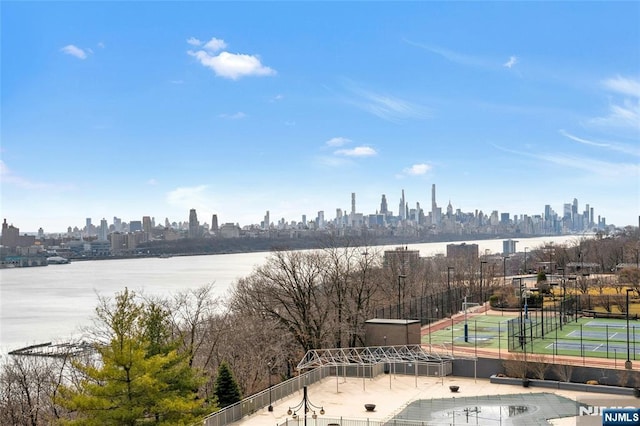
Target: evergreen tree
(139, 376)
(226, 388)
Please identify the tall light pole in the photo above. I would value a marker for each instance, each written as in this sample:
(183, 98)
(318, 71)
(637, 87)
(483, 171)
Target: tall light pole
(525, 261)
(627, 363)
(522, 328)
(482, 262)
(400, 277)
(504, 270)
(270, 408)
(564, 294)
(449, 269)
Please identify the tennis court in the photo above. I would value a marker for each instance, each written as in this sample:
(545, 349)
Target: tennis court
(586, 337)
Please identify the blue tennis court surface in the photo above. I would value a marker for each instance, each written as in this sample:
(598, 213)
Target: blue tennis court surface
(590, 347)
(599, 335)
(603, 324)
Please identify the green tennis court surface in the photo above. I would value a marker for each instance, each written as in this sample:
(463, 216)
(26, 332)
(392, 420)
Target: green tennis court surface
(603, 338)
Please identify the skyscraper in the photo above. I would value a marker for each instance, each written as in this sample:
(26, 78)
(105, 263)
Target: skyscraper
(353, 203)
(383, 205)
(267, 221)
(194, 226)
(146, 224)
(103, 230)
(435, 211)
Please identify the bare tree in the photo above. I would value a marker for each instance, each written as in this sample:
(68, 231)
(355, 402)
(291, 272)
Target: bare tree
(538, 366)
(564, 371)
(27, 389)
(292, 288)
(190, 312)
(516, 365)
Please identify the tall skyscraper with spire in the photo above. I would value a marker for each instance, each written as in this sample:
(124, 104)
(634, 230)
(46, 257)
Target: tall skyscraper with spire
(435, 211)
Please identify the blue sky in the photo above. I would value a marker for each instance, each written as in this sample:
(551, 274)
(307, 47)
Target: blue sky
(235, 108)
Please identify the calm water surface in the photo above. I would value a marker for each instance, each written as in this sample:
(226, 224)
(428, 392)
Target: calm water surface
(42, 304)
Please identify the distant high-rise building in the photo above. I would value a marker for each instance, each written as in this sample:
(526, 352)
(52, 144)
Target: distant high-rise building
(320, 219)
(384, 209)
(267, 221)
(135, 226)
(508, 247)
(435, 211)
(117, 224)
(504, 218)
(402, 207)
(103, 231)
(194, 225)
(214, 223)
(353, 203)
(464, 251)
(89, 229)
(146, 224)
(10, 235)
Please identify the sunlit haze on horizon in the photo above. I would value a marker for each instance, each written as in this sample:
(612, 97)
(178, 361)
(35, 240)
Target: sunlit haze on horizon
(134, 109)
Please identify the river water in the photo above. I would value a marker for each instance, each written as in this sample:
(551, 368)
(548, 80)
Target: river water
(51, 303)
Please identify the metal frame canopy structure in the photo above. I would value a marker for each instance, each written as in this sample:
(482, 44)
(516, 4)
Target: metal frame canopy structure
(373, 355)
(55, 350)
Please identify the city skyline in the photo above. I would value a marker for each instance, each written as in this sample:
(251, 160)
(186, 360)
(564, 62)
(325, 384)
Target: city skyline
(570, 217)
(135, 109)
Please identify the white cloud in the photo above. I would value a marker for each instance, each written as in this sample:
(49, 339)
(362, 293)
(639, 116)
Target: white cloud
(418, 169)
(387, 107)
(194, 41)
(618, 147)
(231, 65)
(625, 86)
(511, 62)
(359, 151)
(624, 113)
(591, 167)
(339, 141)
(215, 44)
(152, 182)
(176, 81)
(277, 98)
(7, 177)
(450, 55)
(101, 45)
(188, 197)
(582, 141)
(75, 51)
(237, 116)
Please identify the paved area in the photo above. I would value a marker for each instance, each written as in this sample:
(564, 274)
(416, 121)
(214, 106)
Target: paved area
(390, 393)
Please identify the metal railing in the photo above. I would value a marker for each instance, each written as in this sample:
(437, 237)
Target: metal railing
(257, 401)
